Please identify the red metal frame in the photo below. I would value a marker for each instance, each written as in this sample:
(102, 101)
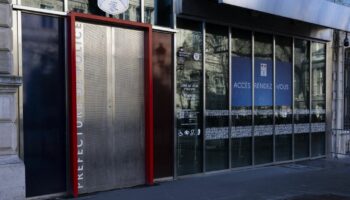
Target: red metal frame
(147, 28)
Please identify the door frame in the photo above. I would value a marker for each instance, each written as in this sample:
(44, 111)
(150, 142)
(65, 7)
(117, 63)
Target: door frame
(73, 17)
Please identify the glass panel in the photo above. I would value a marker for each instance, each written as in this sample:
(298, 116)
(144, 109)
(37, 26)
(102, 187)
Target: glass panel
(217, 95)
(44, 117)
(241, 99)
(133, 13)
(159, 12)
(318, 106)
(263, 97)
(163, 98)
(56, 5)
(342, 2)
(189, 103)
(85, 6)
(284, 98)
(301, 98)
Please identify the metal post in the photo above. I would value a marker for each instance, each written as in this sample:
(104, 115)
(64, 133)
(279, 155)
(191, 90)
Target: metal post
(203, 95)
(293, 106)
(253, 98)
(274, 99)
(65, 6)
(326, 99)
(142, 7)
(310, 98)
(66, 67)
(18, 26)
(174, 94)
(229, 97)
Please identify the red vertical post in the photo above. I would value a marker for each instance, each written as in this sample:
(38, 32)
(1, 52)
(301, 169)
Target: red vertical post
(149, 107)
(73, 106)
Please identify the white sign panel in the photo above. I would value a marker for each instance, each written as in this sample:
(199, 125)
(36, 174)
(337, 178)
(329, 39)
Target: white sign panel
(113, 7)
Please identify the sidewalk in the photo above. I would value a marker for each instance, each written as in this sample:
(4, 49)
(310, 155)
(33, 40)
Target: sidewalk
(309, 180)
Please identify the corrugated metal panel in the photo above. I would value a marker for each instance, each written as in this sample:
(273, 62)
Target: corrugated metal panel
(112, 112)
(129, 101)
(97, 143)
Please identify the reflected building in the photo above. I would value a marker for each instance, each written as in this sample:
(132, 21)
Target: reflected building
(44, 4)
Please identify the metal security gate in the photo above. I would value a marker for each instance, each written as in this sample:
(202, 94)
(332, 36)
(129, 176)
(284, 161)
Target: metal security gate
(111, 106)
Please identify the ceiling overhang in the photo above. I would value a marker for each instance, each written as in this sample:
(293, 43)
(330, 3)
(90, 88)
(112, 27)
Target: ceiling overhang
(319, 12)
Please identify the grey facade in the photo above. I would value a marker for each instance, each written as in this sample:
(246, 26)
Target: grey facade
(11, 166)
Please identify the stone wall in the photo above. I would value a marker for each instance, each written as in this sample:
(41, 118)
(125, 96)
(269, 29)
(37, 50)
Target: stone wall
(12, 173)
(341, 135)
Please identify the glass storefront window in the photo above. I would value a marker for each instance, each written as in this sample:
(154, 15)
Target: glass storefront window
(85, 6)
(91, 7)
(301, 98)
(217, 96)
(56, 5)
(263, 99)
(162, 66)
(241, 98)
(44, 104)
(133, 13)
(283, 98)
(269, 109)
(318, 105)
(159, 12)
(189, 96)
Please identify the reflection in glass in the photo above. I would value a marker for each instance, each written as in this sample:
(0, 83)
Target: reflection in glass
(189, 82)
(162, 59)
(133, 13)
(159, 12)
(91, 7)
(347, 88)
(217, 89)
(241, 98)
(301, 98)
(263, 99)
(284, 98)
(44, 117)
(318, 106)
(85, 6)
(56, 5)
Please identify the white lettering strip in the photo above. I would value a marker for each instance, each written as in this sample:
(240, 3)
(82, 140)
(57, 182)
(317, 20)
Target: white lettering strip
(243, 112)
(261, 130)
(209, 113)
(301, 128)
(302, 111)
(282, 129)
(79, 39)
(216, 133)
(318, 127)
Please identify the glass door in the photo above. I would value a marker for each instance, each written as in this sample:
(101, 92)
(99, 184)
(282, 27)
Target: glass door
(44, 104)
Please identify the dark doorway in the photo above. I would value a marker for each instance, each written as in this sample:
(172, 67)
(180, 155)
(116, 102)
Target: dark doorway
(163, 104)
(44, 116)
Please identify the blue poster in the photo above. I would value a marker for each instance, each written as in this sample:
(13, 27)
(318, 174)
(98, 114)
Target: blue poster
(241, 81)
(263, 87)
(263, 75)
(284, 84)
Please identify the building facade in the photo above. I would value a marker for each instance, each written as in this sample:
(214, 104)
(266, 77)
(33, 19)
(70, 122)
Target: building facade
(167, 89)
